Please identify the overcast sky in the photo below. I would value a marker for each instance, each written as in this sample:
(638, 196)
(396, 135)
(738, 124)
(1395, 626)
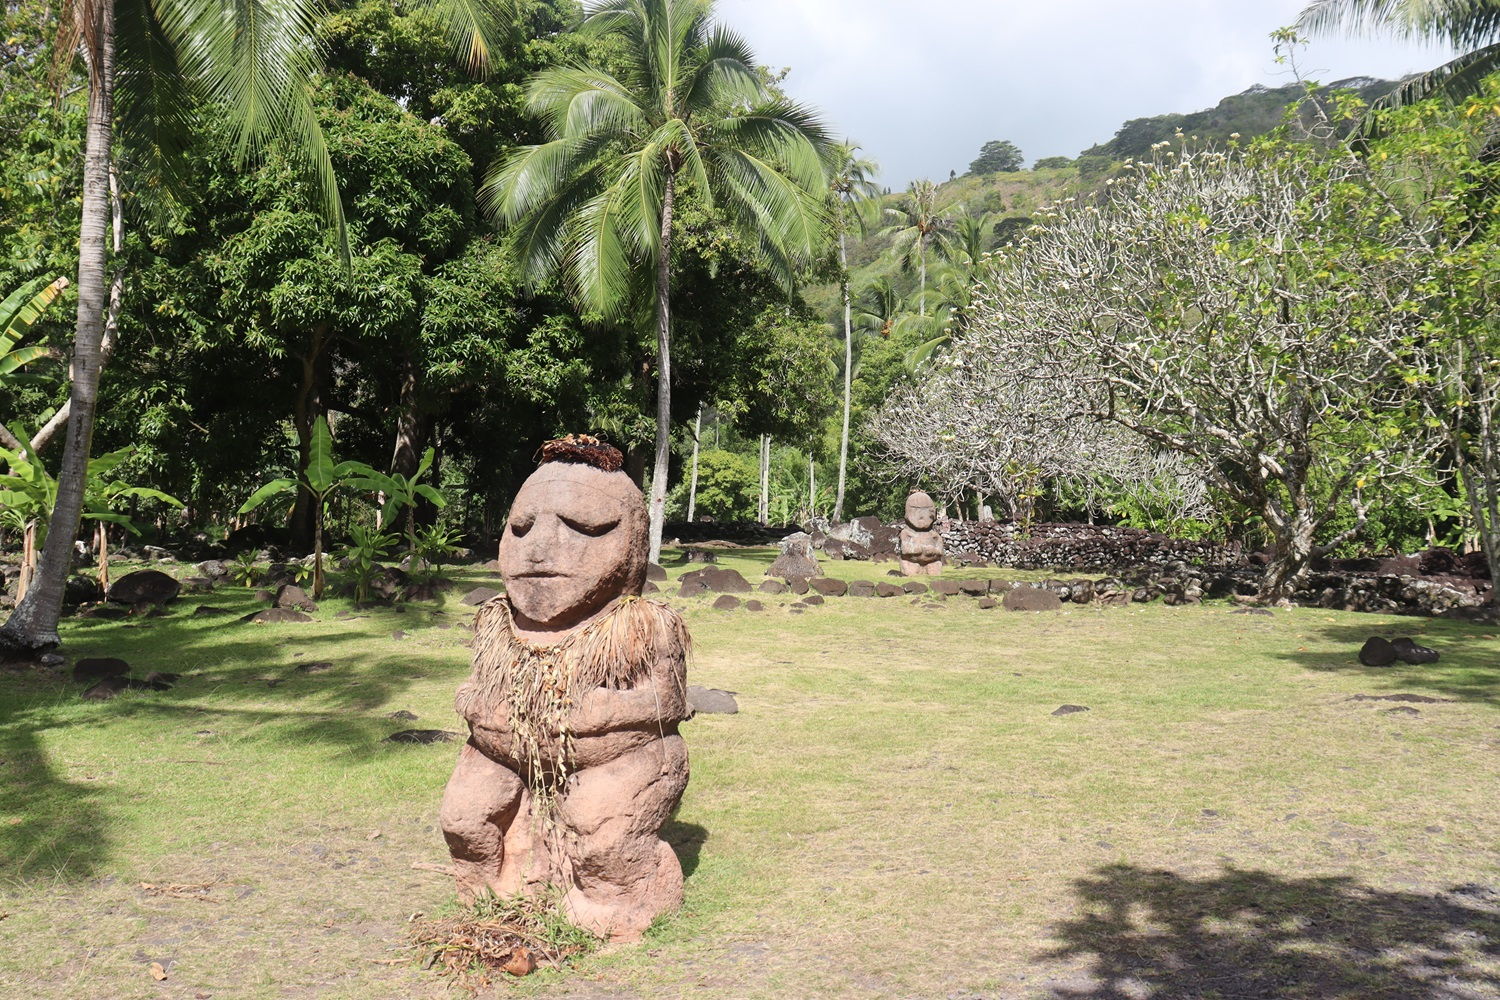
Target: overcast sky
(922, 84)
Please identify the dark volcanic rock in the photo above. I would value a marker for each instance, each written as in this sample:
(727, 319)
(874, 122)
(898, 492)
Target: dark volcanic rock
(422, 736)
(95, 668)
(1407, 651)
(478, 596)
(796, 558)
(145, 586)
(861, 588)
(829, 586)
(974, 588)
(1069, 709)
(655, 572)
(205, 611)
(711, 701)
(692, 586)
(403, 716)
(798, 585)
(914, 587)
(1377, 652)
(81, 590)
(947, 588)
(986, 603)
(276, 616)
(1032, 599)
(772, 587)
(812, 599)
(289, 595)
(754, 606)
(726, 602)
(888, 590)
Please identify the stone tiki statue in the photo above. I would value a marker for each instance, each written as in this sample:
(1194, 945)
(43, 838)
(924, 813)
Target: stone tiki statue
(921, 543)
(573, 761)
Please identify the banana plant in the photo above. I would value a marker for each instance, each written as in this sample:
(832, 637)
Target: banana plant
(402, 493)
(18, 312)
(28, 493)
(323, 477)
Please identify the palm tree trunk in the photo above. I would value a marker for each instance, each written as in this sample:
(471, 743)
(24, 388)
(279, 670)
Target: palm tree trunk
(32, 627)
(693, 482)
(764, 509)
(838, 503)
(812, 486)
(922, 274)
(663, 370)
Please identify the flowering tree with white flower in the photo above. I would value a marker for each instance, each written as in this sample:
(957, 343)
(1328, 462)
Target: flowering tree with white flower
(1245, 309)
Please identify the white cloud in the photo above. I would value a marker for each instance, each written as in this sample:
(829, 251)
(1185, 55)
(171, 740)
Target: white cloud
(921, 85)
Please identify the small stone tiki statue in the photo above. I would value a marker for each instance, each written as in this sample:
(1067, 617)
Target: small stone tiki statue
(573, 761)
(921, 543)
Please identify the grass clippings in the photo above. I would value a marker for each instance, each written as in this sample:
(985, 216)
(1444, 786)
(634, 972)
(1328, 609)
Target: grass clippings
(513, 936)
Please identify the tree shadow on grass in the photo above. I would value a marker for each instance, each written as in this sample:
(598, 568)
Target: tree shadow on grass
(1469, 668)
(50, 827)
(238, 675)
(1253, 934)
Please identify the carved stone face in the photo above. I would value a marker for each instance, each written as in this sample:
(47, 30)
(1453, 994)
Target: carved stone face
(575, 541)
(921, 512)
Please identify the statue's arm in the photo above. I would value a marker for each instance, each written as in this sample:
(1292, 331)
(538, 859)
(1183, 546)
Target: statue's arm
(660, 698)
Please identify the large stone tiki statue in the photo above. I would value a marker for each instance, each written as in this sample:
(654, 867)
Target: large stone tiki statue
(921, 543)
(573, 761)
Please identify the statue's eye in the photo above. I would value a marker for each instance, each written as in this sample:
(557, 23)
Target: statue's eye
(591, 528)
(520, 525)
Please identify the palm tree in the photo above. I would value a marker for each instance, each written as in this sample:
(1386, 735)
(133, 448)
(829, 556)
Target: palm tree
(970, 242)
(148, 63)
(1471, 26)
(918, 226)
(852, 181)
(594, 204)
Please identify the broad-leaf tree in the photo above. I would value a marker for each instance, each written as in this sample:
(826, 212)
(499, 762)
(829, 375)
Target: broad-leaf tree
(685, 112)
(149, 65)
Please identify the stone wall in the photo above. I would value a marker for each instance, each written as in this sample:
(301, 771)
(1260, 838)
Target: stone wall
(1084, 548)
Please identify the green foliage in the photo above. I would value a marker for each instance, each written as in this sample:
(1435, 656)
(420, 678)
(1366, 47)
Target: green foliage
(728, 487)
(1052, 163)
(368, 546)
(402, 493)
(244, 570)
(18, 311)
(433, 548)
(997, 156)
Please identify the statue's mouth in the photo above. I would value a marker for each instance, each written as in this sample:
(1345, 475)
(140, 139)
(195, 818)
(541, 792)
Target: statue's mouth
(540, 574)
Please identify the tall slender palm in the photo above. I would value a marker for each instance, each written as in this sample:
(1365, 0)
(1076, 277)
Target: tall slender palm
(1470, 26)
(918, 226)
(594, 204)
(148, 62)
(852, 181)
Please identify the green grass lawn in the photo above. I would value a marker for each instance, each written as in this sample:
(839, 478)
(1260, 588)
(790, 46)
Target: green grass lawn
(895, 811)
